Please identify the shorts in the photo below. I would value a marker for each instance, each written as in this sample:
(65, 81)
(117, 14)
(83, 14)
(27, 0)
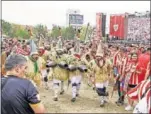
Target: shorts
(131, 86)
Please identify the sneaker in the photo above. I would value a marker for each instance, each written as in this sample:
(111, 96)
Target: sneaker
(116, 101)
(106, 94)
(73, 99)
(55, 99)
(77, 95)
(47, 88)
(120, 103)
(105, 101)
(62, 92)
(94, 88)
(129, 108)
(89, 84)
(102, 104)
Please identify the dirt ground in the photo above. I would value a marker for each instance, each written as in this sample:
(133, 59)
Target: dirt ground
(87, 102)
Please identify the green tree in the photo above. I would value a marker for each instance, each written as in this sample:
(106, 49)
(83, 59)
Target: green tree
(40, 29)
(22, 33)
(63, 33)
(66, 32)
(69, 33)
(6, 28)
(49, 35)
(16, 30)
(85, 36)
(82, 33)
(55, 32)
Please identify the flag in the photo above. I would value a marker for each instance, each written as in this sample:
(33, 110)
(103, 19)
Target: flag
(117, 25)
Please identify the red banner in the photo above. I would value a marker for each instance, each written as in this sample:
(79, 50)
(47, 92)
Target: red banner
(111, 26)
(117, 25)
(122, 29)
(99, 25)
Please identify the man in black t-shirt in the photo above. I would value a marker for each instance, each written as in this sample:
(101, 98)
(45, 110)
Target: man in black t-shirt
(19, 95)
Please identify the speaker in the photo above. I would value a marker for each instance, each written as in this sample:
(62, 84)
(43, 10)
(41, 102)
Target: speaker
(103, 25)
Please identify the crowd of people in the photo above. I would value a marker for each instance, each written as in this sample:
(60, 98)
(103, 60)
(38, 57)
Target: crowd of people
(139, 28)
(27, 65)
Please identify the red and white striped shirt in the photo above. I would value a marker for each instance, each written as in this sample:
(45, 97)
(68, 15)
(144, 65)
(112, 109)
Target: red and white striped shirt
(115, 58)
(122, 62)
(139, 90)
(133, 74)
(21, 51)
(148, 71)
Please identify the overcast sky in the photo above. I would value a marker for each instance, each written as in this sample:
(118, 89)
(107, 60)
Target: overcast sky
(54, 12)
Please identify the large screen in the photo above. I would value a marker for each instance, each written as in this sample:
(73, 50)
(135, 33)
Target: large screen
(75, 19)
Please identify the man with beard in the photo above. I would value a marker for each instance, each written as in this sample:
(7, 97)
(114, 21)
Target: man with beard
(59, 70)
(76, 69)
(91, 65)
(60, 74)
(86, 60)
(44, 53)
(42, 61)
(89, 60)
(33, 70)
(101, 75)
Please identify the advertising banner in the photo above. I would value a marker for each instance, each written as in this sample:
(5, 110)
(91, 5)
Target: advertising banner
(75, 19)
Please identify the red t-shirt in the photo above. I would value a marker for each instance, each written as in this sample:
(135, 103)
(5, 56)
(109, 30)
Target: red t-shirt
(143, 61)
